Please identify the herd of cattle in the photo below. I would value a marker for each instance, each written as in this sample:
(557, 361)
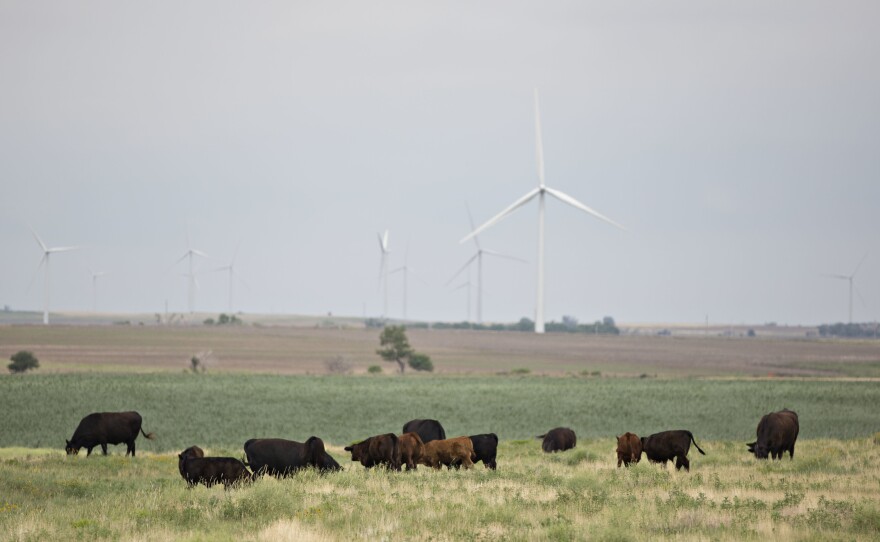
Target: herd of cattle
(422, 442)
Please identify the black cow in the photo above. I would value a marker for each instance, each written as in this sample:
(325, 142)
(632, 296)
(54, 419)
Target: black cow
(212, 470)
(669, 445)
(777, 433)
(428, 430)
(377, 450)
(279, 457)
(558, 440)
(486, 448)
(103, 428)
(192, 451)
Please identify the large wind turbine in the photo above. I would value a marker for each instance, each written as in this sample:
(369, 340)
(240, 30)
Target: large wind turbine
(540, 192)
(850, 279)
(478, 258)
(46, 252)
(193, 282)
(383, 270)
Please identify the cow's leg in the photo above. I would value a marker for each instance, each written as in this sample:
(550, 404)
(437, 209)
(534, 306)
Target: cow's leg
(791, 452)
(682, 461)
(131, 448)
(104, 448)
(619, 461)
(89, 451)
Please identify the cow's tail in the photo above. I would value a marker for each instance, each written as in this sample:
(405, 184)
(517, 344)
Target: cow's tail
(150, 436)
(695, 443)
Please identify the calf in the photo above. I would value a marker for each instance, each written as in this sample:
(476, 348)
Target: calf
(629, 449)
(558, 440)
(212, 470)
(377, 450)
(777, 433)
(411, 449)
(669, 445)
(449, 452)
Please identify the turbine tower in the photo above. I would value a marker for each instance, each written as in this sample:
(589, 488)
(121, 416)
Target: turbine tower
(230, 267)
(95, 275)
(406, 270)
(47, 251)
(383, 270)
(849, 278)
(540, 192)
(478, 258)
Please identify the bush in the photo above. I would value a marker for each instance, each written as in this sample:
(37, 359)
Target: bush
(23, 361)
(374, 369)
(338, 365)
(421, 362)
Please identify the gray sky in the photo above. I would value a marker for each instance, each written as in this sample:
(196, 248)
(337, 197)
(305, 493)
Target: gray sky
(737, 141)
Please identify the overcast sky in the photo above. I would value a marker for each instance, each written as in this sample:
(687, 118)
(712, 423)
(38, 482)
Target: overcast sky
(737, 142)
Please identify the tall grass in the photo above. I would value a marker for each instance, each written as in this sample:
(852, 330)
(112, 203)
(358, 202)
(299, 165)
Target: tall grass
(225, 410)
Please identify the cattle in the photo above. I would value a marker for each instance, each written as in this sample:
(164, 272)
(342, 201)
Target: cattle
(411, 449)
(629, 449)
(103, 428)
(558, 440)
(485, 449)
(669, 445)
(777, 433)
(192, 451)
(211, 470)
(279, 457)
(377, 450)
(449, 452)
(428, 430)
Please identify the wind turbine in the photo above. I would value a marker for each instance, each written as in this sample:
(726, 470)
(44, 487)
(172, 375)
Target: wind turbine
(540, 192)
(230, 267)
(95, 275)
(383, 270)
(46, 252)
(193, 282)
(850, 279)
(406, 271)
(478, 257)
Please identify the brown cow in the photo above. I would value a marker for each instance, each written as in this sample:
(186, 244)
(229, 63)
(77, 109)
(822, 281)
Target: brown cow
(629, 449)
(670, 445)
(777, 433)
(453, 451)
(411, 449)
(377, 450)
(558, 440)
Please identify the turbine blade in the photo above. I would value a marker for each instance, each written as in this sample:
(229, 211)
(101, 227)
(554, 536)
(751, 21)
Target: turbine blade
(539, 145)
(575, 203)
(62, 249)
(37, 237)
(465, 266)
(497, 218)
(500, 255)
(861, 297)
(199, 253)
(460, 286)
(471, 220)
(36, 272)
(830, 276)
(860, 265)
(235, 254)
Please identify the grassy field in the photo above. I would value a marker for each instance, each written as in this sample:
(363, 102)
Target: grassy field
(829, 492)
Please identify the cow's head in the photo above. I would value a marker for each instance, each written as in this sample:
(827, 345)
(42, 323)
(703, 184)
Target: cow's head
(762, 451)
(357, 450)
(70, 448)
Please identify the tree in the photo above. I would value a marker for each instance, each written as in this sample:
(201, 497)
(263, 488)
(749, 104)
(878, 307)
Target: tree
(421, 362)
(395, 346)
(23, 361)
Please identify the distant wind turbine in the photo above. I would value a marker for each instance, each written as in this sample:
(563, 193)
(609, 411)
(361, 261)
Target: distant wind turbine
(230, 267)
(95, 275)
(383, 270)
(540, 192)
(406, 270)
(850, 279)
(46, 252)
(193, 282)
(478, 258)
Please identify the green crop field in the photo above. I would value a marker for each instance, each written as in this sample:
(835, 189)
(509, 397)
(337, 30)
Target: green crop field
(829, 491)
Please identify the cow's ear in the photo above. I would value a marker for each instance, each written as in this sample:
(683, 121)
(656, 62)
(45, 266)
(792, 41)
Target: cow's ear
(68, 443)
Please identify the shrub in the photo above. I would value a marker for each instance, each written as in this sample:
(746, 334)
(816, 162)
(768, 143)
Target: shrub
(338, 365)
(374, 369)
(23, 361)
(421, 362)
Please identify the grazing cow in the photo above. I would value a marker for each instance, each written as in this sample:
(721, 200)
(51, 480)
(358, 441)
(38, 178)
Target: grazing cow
(558, 440)
(279, 457)
(103, 428)
(411, 449)
(428, 430)
(629, 449)
(485, 449)
(211, 470)
(377, 450)
(449, 452)
(192, 451)
(669, 445)
(777, 433)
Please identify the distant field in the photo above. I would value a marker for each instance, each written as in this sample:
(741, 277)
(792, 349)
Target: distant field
(40, 411)
(300, 350)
